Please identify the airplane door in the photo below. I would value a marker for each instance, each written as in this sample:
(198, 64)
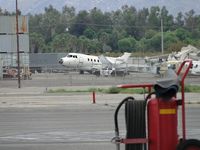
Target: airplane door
(80, 61)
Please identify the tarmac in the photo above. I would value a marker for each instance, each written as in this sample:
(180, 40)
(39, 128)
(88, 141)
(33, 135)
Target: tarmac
(34, 93)
(39, 97)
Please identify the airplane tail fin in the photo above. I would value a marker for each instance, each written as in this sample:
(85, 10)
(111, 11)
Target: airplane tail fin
(124, 57)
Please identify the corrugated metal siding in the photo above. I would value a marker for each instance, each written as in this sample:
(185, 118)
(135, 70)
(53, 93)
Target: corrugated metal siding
(45, 59)
(8, 24)
(8, 43)
(1, 68)
(10, 59)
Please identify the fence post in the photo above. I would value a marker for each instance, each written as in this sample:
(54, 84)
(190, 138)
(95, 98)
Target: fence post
(93, 97)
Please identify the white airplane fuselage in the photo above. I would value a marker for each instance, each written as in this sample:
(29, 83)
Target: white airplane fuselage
(83, 62)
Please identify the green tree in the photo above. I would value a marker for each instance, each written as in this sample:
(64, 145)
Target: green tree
(127, 44)
(141, 23)
(95, 30)
(99, 20)
(37, 43)
(83, 44)
(89, 33)
(154, 18)
(182, 34)
(59, 43)
(66, 19)
(72, 43)
(150, 33)
(155, 42)
(169, 39)
(34, 23)
(64, 43)
(168, 20)
(129, 20)
(179, 20)
(80, 23)
(190, 20)
(103, 37)
(94, 46)
(49, 22)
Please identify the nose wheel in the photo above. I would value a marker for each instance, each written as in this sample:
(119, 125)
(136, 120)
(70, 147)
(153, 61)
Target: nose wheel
(60, 61)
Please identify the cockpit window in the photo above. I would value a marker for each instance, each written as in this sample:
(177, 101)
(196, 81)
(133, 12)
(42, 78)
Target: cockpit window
(69, 55)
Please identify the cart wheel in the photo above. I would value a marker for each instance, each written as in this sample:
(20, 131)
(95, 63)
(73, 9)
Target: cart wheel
(190, 144)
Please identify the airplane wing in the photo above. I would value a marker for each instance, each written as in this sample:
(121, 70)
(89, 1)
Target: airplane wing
(105, 62)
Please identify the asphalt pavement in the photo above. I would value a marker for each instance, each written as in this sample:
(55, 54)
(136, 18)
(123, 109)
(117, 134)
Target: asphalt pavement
(32, 119)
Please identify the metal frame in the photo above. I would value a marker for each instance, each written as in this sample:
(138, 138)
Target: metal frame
(149, 87)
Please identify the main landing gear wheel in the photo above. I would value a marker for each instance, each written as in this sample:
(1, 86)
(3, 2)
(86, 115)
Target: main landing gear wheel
(191, 144)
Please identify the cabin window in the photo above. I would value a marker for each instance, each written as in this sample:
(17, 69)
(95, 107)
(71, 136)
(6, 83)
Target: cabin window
(88, 59)
(91, 59)
(94, 60)
(97, 60)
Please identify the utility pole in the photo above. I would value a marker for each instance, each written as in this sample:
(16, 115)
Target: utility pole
(17, 35)
(162, 44)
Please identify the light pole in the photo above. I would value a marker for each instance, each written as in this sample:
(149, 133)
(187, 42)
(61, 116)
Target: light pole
(162, 44)
(17, 35)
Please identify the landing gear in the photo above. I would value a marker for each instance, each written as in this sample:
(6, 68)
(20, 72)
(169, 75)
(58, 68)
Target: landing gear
(81, 72)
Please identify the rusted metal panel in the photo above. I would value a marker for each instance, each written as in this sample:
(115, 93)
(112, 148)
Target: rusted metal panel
(8, 43)
(8, 24)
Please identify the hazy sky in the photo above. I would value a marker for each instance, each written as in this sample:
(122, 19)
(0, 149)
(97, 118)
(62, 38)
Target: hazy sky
(37, 6)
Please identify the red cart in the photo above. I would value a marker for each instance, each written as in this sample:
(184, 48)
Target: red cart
(152, 123)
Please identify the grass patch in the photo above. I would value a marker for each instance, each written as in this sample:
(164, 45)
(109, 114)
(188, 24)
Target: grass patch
(116, 90)
(192, 88)
(111, 90)
(65, 91)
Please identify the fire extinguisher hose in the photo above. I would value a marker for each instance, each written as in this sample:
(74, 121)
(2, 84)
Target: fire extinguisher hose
(135, 112)
(117, 138)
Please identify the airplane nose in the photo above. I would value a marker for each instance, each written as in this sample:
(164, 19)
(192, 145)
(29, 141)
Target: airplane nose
(60, 61)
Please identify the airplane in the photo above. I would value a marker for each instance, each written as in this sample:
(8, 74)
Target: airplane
(161, 63)
(195, 70)
(98, 65)
(174, 64)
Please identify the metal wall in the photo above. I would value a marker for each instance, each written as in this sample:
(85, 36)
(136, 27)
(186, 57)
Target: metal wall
(10, 59)
(44, 59)
(8, 43)
(8, 39)
(8, 24)
(1, 68)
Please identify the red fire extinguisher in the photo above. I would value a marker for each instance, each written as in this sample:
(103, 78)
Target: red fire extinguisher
(152, 124)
